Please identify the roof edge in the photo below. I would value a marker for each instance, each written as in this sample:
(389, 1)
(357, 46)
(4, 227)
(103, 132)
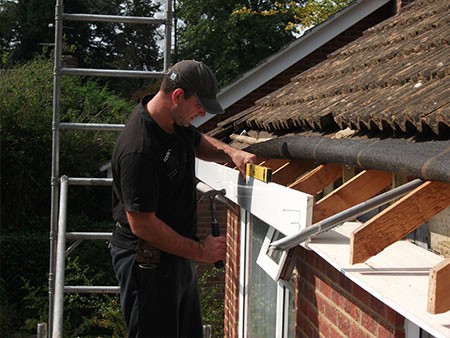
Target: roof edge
(313, 39)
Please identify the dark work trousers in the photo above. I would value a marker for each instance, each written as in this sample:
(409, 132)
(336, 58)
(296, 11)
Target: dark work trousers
(158, 302)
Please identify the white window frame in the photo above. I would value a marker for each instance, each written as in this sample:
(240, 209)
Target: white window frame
(265, 261)
(285, 210)
(283, 287)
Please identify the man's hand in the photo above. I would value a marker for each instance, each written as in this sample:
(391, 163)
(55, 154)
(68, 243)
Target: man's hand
(211, 149)
(212, 249)
(240, 158)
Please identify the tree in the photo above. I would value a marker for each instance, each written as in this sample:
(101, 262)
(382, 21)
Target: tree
(27, 30)
(228, 43)
(25, 134)
(233, 36)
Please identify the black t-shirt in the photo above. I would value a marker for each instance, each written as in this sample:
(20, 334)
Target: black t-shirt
(154, 171)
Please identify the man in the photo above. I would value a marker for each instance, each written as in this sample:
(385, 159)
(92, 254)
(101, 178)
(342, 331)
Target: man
(154, 245)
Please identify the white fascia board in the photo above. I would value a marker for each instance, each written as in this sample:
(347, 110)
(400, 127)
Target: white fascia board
(287, 210)
(294, 52)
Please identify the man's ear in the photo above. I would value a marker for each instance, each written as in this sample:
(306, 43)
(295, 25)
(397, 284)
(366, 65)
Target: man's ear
(177, 95)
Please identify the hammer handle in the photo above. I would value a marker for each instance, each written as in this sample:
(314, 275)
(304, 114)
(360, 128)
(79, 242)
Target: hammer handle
(216, 233)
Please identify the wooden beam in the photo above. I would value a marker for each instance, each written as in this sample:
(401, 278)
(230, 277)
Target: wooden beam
(398, 220)
(360, 188)
(274, 163)
(291, 171)
(318, 178)
(438, 288)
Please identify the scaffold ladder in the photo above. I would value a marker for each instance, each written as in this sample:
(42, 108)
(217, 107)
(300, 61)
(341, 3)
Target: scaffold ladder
(60, 184)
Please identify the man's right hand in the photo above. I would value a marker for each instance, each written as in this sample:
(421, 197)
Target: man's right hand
(213, 249)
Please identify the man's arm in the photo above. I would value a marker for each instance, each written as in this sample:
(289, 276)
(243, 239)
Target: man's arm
(211, 149)
(153, 230)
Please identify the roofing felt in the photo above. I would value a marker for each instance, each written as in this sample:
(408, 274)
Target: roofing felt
(396, 78)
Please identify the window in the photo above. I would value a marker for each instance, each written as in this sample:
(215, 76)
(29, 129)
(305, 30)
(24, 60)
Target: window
(268, 306)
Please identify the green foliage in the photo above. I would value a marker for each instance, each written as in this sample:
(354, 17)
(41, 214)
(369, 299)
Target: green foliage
(230, 44)
(304, 14)
(90, 314)
(26, 28)
(26, 140)
(212, 305)
(24, 259)
(234, 36)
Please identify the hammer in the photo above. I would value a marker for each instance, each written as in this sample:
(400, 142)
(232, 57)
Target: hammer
(212, 194)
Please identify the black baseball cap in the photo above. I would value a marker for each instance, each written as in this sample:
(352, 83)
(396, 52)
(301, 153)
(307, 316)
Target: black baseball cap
(200, 79)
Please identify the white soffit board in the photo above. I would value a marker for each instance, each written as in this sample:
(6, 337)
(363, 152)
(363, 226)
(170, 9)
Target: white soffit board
(294, 52)
(398, 276)
(287, 210)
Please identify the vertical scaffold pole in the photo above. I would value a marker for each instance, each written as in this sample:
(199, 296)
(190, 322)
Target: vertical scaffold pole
(168, 35)
(57, 331)
(55, 154)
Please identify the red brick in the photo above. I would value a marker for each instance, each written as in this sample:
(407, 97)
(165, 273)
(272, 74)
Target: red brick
(385, 332)
(368, 322)
(343, 324)
(378, 306)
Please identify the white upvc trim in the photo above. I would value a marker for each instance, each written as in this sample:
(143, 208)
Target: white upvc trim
(272, 268)
(243, 273)
(294, 52)
(287, 210)
(411, 330)
(398, 276)
(281, 310)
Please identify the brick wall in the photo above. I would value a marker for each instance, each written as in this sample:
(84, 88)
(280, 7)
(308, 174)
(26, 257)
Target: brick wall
(328, 304)
(232, 267)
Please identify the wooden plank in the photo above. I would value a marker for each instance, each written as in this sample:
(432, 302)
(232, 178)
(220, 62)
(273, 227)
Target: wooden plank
(274, 163)
(291, 171)
(258, 160)
(318, 178)
(398, 220)
(439, 288)
(360, 188)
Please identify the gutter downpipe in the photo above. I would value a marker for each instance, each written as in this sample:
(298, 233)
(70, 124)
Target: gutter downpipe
(331, 222)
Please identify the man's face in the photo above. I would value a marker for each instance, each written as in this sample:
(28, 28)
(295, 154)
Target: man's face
(187, 110)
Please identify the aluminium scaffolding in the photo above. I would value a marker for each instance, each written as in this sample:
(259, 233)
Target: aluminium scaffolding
(60, 184)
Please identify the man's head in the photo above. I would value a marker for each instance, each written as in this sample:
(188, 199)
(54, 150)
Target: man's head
(196, 79)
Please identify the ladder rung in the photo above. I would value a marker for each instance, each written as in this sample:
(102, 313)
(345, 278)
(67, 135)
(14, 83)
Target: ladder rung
(113, 18)
(111, 72)
(89, 235)
(92, 126)
(91, 289)
(89, 181)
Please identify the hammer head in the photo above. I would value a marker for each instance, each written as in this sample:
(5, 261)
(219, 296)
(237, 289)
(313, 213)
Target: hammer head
(207, 191)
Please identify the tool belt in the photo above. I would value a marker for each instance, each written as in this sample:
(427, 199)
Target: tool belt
(146, 255)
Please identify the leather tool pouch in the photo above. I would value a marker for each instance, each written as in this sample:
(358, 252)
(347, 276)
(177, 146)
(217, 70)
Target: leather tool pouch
(147, 255)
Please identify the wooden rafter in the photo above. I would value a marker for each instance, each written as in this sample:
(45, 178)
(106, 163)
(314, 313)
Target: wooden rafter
(438, 288)
(291, 171)
(358, 189)
(318, 178)
(398, 220)
(275, 163)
